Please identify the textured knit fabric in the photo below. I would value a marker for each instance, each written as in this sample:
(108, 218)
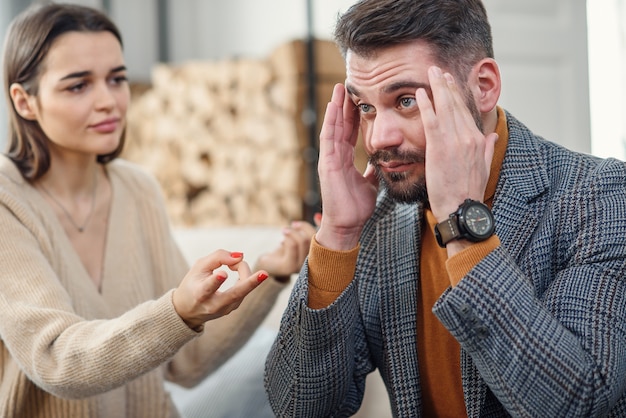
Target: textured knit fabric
(68, 350)
(439, 354)
(540, 320)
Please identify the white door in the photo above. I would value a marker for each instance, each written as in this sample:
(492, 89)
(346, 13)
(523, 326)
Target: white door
(541, 46)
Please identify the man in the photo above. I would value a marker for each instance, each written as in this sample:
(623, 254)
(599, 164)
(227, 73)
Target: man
(407, 273)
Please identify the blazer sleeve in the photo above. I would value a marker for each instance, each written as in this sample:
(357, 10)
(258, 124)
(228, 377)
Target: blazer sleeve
(545, 328)
(299, 380)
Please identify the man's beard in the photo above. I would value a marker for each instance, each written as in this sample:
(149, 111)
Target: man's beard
(396, 182)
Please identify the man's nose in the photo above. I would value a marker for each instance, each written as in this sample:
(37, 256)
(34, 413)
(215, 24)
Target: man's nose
(385, 132)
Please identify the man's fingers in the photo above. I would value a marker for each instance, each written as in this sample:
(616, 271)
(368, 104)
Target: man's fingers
(427, 112)
(340, 121)
(443, 101)
(465, 120)
(350, 119)
(339, 95)
(333, 121)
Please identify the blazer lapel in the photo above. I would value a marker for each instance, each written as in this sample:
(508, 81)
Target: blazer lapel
(518, 204)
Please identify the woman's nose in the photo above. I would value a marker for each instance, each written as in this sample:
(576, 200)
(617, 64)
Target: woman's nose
(105, 98)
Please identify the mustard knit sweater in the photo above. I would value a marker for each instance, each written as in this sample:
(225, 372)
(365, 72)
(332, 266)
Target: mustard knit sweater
(67, 350)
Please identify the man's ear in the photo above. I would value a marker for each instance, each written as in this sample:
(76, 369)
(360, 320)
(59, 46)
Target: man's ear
(487, 84)
(22, 101)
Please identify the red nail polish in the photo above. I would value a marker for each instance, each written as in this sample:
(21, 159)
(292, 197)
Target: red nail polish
(222, 276)
(236, 255)
(262, 277)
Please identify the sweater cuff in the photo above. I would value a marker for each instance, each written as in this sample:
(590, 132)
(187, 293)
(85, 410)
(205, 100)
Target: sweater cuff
(175, 318)
(460, 264)
(330, 273)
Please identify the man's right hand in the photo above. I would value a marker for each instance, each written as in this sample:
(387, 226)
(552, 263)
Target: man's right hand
(348, 197)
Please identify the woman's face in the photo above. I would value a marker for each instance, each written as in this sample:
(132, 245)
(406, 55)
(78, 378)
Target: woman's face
(83, 94)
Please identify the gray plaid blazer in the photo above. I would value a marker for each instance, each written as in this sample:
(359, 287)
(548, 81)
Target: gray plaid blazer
(541, 320)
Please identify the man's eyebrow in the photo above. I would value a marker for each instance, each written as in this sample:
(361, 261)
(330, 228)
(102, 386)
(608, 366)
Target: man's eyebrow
(352, 91)
(406, 84)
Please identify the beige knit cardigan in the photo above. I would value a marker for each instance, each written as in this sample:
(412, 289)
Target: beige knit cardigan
(67, 350)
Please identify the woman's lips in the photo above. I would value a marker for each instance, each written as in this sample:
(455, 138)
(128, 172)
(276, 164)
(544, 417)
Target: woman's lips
(106, 126)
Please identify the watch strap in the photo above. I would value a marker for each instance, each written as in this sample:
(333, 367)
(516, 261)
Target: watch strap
(447, 230)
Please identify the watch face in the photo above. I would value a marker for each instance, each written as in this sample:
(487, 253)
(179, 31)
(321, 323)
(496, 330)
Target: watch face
(478, 221)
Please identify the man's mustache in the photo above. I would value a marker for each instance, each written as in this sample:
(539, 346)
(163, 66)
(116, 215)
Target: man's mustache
(396, 156)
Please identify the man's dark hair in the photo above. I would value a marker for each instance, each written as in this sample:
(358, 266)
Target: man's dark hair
(457, 30)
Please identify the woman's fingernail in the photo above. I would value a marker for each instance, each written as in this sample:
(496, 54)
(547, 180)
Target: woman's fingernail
(236, 254)
(262, 277)
(221, 276)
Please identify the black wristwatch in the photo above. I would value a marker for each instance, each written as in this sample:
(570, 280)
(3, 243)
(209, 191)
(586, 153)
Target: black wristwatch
(472, 221)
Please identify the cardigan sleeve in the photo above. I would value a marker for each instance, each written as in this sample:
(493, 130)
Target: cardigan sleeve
(57, 349)
(73, 342)
(58, 329)
(220, 338)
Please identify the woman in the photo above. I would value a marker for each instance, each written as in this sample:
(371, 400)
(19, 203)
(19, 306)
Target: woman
(95, 315)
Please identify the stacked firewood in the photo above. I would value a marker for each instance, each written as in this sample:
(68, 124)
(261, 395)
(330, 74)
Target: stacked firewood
(226, 138)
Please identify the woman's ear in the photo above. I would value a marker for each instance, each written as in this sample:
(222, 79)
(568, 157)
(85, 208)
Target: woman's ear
(488, 84)
(22, 101)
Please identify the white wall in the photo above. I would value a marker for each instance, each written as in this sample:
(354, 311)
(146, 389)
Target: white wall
(541, 48)
(206, 29)
(214, 29)
(607, 62)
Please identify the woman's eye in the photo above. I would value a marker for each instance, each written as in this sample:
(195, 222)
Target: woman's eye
(120, 79)
(76, 87)
(408, 102)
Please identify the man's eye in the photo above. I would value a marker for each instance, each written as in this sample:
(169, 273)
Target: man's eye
(408, 102)
(365, 108)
